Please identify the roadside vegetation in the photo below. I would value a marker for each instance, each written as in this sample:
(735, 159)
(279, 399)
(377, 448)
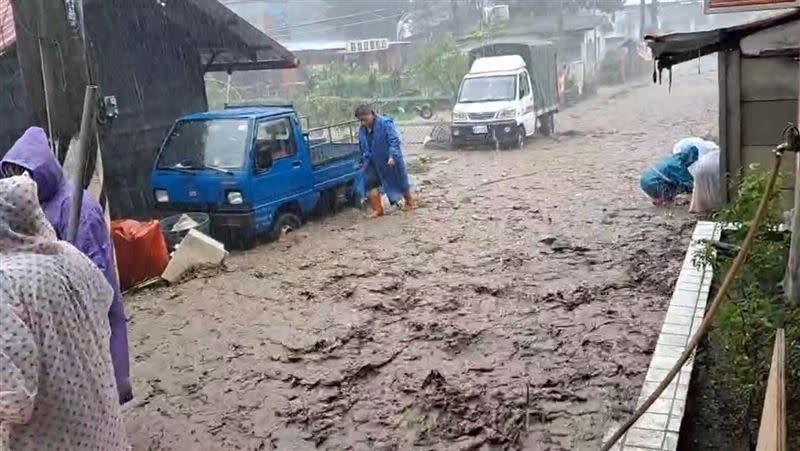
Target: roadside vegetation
(733, 365)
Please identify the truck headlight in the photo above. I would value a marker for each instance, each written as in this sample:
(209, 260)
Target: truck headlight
(161, 196)
(508, 113)
(459, 116)
(235, 198)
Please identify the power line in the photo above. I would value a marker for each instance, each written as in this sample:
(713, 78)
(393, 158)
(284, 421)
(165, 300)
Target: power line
(284, 31)
(321, 30)
(323, 21)
(317, 22)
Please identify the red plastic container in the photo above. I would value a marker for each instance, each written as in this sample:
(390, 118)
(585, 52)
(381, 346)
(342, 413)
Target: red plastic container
(141, 251)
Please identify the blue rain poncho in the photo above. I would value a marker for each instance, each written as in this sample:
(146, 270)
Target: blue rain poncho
(671, 176)
(376, 151)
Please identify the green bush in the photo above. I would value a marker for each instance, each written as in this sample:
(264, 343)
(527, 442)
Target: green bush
(745, 325)
(439, 68)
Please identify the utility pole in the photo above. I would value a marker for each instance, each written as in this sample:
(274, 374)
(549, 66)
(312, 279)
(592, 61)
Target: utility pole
(642, 17)
(654, 14)
(53, 64)
(456, 18)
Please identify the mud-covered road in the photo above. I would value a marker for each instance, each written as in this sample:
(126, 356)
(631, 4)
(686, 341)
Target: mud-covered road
(516, 309)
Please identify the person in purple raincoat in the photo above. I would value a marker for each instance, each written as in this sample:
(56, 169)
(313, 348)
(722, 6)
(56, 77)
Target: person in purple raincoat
(31, 153)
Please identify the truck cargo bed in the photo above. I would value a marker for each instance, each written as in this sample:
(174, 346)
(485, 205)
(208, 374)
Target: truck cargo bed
(327, 152)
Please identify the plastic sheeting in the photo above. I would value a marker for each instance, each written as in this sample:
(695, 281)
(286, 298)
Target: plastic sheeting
(707, 194)
(703, 147)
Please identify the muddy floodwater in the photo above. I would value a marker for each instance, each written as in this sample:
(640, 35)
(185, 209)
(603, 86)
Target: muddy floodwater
(517, 308)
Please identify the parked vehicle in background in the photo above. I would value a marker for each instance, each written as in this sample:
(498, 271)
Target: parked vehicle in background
(255, 171)
(509, 94)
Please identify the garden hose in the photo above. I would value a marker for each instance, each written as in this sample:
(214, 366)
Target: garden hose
(708, 320)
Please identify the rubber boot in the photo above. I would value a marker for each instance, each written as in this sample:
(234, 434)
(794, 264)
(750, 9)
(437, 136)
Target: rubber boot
(377, 204)
(409, 202)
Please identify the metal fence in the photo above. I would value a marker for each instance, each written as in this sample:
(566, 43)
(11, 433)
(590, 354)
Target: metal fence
(415, 133)
(344, 132)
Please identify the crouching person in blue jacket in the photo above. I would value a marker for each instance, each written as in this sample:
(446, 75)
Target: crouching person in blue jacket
(670, 177)
(383, 163)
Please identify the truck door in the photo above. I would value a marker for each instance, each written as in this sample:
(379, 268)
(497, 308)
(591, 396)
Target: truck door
(280, 169)
(528, 107)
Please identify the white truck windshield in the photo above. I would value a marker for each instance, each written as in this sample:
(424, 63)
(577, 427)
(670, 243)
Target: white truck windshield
(215, 144)
(488, 89)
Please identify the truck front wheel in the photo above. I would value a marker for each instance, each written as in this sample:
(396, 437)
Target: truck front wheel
(515, 141)
(286, 222)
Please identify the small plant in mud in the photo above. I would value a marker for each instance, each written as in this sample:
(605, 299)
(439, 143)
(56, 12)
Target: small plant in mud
(745, 326)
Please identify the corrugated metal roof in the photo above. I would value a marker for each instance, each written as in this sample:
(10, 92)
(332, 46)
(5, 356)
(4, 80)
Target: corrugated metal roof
(257, 52)
(676, 48)
(8, 36)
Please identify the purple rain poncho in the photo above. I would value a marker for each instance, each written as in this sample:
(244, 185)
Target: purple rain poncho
(33, 153)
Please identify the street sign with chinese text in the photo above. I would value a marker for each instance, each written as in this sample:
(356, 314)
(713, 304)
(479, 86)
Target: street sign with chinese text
(367, 45)
(730, 6)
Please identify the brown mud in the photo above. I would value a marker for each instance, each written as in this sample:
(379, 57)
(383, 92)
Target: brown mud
(517, 308)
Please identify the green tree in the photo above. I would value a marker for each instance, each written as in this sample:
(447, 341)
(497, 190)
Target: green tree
(440, 67)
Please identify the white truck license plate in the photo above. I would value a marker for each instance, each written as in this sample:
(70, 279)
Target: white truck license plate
(480, 130)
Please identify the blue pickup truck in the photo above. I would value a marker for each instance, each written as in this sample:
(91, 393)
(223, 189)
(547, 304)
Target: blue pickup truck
(255, 171)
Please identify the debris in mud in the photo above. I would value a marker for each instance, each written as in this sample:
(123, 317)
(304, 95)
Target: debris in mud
(579, 296)
(560, 245)
(419, 165)
(469, 417)
(571, 133)
(434, 377)
(454, 339)
(496, 290)
(548, 240)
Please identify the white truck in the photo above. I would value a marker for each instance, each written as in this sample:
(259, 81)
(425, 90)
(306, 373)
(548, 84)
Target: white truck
(509, 94)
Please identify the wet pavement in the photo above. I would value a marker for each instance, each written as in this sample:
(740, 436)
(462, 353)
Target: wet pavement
(517, 308)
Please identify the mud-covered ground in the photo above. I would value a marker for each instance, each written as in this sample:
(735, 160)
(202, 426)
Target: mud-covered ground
(516, 309)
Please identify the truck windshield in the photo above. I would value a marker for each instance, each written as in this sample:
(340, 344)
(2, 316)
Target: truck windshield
(488, 89)
(205, 144)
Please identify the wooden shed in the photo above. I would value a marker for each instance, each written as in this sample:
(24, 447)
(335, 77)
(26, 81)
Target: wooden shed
(758, 89)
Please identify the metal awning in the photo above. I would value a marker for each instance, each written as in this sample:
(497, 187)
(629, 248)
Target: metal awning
(260, 51)
(676, 48)
(237, 46)
(225, 40)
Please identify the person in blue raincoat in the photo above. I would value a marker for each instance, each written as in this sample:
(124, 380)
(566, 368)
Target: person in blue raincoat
(671, 176)
(383, 164)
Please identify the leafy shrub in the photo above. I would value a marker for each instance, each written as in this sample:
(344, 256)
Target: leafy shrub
(745, 325)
